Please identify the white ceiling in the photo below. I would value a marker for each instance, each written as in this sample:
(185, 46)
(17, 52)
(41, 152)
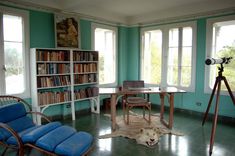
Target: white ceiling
(134, 11)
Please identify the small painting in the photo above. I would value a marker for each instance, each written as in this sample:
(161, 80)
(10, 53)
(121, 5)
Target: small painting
(67, 31)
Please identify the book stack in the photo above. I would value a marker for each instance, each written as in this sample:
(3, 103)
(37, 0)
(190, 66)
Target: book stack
(85, 78)
(85, 67)
(53, 55)
(52, 68)
(86, 93)
(85, 56)
(53, 81)
(50, 97)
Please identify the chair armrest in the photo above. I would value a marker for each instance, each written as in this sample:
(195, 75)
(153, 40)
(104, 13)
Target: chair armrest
(40, 114)
(14, 133)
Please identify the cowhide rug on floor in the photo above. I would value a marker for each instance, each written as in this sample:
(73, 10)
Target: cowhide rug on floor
(138, 129)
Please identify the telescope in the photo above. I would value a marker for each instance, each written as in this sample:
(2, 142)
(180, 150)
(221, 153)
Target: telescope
(212, 61)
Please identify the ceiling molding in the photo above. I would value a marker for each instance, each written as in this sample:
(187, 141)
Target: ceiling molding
(196, 16)
(32, 6)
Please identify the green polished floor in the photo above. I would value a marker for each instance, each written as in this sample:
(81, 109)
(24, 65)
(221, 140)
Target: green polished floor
(195, 141)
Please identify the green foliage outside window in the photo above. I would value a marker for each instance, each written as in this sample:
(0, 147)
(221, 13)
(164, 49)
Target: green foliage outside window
(156, 63)
(229, 69)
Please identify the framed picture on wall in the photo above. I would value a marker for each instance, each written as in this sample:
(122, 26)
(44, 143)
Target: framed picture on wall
(67, 31)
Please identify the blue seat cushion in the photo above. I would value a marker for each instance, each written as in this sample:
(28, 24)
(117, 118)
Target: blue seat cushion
(33, 135)
(50, 140)
(75, 145)
(17, 125)
(12, 140)
(12, 112)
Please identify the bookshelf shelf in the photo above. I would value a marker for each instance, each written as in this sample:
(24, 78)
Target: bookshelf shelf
(59, 103)
(43, 88)
(43, 75)
(78, 100)
(63, 76)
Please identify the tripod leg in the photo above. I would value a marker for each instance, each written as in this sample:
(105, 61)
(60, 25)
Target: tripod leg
(215, 119)
(229, 90)
(211, 98)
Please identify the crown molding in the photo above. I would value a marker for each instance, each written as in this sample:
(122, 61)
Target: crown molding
(32, 6)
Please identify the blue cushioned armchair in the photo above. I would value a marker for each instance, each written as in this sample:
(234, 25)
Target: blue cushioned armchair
(17, 130)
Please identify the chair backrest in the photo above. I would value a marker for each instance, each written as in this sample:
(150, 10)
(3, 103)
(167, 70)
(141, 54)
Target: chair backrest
(8, 100)
(133, 84)
(12, 112)
(15, 116)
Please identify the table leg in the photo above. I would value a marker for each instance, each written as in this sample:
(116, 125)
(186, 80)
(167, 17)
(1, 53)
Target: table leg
(162, 106)
(113, 111)
(168, 124)
(171, 115)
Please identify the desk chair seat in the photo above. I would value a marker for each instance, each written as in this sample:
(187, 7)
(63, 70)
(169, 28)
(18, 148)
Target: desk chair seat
(135, 101)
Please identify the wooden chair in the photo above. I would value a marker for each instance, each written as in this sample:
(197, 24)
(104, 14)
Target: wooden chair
(18, 131)
(130, 101)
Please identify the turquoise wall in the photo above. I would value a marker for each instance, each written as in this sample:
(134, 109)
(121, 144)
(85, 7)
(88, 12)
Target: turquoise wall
(42, 35)
(133, 53)
(85, 31)
(122, 54)
(42, 29)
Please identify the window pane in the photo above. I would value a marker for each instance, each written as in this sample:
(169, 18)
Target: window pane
(172, 72)
(152, 57)
(12, 26)
(186, 66)
(13, 54)
(105, 44)
(224, 46)
(185, 78)
(174, 37)
(187, 36)
(14, 75)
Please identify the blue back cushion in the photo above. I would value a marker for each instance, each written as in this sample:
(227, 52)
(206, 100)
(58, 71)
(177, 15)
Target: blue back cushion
(14, 116)
(12, 112)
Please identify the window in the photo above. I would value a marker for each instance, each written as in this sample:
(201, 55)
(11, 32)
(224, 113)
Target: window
(13, 52)
(152, 57)
(168, 56)
(104, 41)
(220, 43)
(180, 57)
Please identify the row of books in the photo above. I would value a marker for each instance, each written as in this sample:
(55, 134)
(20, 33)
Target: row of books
(86, 93)
(53, 55)
(86, 78)
(52, 81)
(53, 68)
(85, 56)
(45, 98)
(85, 67)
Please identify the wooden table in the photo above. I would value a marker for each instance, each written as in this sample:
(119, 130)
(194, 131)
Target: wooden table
(117, 93)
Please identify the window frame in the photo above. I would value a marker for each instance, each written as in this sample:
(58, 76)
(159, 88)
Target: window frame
(25, 16)
(102, 26)
(209, 39)
(165, 46)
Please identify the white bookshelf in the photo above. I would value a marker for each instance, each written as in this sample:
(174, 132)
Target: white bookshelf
(63, 76)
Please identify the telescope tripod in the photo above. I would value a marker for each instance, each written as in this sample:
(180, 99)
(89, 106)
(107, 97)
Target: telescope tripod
(217, 85)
